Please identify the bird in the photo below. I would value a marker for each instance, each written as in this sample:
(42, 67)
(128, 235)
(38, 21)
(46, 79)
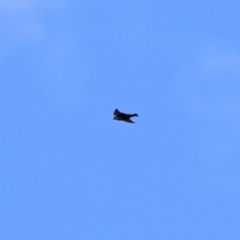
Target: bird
(123, 116)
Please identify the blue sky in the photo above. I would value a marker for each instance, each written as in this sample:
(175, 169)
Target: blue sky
(68, 171)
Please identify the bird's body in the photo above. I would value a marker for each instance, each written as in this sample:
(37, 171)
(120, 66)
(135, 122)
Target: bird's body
(124, 116)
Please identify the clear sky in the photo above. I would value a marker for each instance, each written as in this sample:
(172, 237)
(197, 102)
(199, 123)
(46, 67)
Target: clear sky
(69, 171)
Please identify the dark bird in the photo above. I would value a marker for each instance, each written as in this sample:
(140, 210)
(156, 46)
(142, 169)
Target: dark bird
(124, 116)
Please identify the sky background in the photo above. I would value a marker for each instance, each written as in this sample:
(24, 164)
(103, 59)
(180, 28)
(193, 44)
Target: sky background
(68, 171)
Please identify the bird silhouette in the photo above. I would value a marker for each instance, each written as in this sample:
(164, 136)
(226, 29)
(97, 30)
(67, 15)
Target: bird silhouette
(123, 116)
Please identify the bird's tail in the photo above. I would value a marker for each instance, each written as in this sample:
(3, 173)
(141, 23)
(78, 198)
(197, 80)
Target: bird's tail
(135, 115)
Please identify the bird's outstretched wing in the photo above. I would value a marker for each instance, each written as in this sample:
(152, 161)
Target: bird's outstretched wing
(116, 112)
(128, 120)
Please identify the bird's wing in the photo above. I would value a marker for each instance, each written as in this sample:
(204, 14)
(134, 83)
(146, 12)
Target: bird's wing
(116, 112)
(128, 120)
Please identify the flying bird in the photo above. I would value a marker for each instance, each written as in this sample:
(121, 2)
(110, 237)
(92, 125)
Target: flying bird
(124, 116)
